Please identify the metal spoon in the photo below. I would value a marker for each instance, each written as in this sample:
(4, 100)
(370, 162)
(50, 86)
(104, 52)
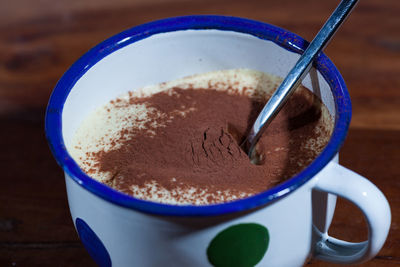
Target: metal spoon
(296, 75)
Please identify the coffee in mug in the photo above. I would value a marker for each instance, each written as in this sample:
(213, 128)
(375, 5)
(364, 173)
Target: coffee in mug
(178, 142)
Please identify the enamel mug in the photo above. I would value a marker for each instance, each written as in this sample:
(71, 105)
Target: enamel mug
(283, 226)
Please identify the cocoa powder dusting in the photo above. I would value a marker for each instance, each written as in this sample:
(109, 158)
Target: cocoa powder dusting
(197, 144)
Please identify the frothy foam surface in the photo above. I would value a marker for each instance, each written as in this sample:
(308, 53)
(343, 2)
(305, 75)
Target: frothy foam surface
(107, 129)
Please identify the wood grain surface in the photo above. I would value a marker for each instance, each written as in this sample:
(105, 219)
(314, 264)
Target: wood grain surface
(39, 40)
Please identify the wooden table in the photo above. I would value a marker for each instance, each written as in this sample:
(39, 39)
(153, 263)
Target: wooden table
(39, 41)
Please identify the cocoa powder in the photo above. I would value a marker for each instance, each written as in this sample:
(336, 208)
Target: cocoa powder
(197, 145)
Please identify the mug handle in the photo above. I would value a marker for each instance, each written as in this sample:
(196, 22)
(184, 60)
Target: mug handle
(340, 181)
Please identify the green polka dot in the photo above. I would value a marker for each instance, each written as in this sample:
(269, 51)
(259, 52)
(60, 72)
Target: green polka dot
(241, 245)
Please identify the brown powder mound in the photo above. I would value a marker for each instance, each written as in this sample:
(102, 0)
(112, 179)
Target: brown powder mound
(198, 146)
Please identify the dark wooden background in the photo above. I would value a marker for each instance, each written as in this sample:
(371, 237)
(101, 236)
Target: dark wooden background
(39, 40)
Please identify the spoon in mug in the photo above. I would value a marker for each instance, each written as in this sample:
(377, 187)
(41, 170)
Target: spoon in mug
(296, 75)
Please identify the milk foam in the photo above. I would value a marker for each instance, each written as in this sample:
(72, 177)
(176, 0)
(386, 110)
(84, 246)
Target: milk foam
(102, 130)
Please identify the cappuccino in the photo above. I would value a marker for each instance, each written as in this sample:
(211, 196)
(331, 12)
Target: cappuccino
(178, 142)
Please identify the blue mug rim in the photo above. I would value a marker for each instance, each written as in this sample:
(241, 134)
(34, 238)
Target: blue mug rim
(265, 31)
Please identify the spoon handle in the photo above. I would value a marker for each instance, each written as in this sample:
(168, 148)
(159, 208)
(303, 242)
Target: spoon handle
(297, 73)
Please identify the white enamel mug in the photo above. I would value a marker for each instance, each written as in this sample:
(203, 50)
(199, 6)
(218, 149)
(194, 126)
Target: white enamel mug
(283, 226)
